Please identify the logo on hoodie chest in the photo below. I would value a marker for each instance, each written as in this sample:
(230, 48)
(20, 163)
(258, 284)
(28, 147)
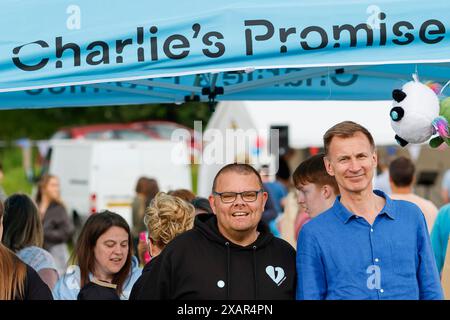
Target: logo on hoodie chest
(276, 274)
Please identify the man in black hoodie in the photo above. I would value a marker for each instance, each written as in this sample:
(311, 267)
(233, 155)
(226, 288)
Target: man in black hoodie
(230, 254)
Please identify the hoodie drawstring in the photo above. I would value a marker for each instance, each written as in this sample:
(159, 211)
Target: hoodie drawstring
(227, 244)
(254, 273)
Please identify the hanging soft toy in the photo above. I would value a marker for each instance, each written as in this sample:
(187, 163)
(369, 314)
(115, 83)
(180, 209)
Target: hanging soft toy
(417, 115)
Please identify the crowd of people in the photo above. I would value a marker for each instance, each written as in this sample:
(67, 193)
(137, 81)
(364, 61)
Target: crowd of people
(321, 233)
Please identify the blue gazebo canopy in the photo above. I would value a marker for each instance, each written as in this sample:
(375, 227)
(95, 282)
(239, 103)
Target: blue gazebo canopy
(54, 53)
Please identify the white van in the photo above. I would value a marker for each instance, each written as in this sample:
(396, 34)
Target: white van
(102, 175)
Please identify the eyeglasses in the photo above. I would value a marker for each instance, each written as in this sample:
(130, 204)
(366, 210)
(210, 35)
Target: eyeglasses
(247, 196)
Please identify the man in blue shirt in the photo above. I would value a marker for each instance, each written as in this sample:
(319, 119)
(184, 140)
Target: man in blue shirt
(366, 246)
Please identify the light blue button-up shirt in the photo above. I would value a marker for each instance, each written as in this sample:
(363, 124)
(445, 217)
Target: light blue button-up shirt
(342, 256)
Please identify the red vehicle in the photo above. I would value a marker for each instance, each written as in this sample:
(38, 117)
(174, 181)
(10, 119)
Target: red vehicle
(105, 132)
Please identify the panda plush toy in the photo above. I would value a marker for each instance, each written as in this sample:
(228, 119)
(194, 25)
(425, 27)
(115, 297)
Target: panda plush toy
(417, 115)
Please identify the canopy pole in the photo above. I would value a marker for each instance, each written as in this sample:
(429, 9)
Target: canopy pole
(164, 85)
(110, 87)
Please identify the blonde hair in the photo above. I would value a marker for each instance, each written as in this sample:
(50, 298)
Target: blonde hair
(12, 275)
(166, 217)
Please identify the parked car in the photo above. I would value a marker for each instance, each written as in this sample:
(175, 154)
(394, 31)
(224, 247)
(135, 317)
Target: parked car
(97, 175)
(109, 131)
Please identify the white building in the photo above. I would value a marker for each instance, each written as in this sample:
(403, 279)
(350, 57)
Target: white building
(307, 121)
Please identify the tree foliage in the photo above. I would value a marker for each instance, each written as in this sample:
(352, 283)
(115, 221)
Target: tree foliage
(42, 123)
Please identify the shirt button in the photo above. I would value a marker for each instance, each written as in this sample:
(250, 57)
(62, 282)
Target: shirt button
(381, 290)
(376, 259)
(371, 229)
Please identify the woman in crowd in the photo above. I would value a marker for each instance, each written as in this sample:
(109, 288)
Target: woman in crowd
(22, 233)
(58, 227)
(103, 259)
(146, 189)
(165, 218)
(18, 281)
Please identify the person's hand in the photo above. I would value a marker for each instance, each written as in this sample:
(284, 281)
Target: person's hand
(143, 251)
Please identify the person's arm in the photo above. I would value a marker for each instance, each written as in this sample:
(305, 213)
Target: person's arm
(61, 228)
(427, 272)
(439, 239)
(286, 223)
(49, 276)
(143, 252)
(36, 289)
(311, 281)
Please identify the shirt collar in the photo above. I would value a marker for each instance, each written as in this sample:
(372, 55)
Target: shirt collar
(345, 215)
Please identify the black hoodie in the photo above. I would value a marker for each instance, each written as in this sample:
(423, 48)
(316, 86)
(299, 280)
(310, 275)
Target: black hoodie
(203, 264)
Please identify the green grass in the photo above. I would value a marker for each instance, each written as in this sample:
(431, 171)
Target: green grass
(14, 179)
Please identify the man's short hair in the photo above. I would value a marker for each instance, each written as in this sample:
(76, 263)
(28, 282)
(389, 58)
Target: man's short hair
(312, 170)
(345, 129)
(241, 168)
(401, 171)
